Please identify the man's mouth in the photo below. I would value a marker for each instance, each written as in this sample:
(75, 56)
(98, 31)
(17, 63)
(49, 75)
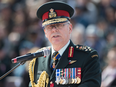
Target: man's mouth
(55, 36)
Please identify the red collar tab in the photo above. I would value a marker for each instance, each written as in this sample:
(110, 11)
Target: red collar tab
(71, 51)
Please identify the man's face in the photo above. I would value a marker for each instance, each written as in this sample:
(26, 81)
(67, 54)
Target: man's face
(59, 33)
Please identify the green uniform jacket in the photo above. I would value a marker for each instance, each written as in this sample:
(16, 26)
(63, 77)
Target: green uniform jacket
(86, 58)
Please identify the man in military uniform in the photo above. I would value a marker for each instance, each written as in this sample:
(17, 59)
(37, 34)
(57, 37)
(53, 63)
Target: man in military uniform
(71, 65)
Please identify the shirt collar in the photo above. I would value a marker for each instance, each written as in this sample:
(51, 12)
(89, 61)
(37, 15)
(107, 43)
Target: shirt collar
(61, 51)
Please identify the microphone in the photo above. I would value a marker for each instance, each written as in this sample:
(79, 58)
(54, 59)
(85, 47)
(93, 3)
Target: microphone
(30, 56)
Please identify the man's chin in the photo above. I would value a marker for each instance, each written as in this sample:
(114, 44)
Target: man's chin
(56, 42)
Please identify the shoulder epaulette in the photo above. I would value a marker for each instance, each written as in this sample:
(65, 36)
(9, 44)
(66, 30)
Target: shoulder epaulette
(83, 48)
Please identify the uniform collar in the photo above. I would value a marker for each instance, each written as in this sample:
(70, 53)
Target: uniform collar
(61, 51)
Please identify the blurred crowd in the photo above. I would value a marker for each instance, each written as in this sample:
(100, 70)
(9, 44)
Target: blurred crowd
(94, 25)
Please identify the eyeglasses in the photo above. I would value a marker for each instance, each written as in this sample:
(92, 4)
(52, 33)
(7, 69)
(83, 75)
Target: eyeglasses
(56, 26)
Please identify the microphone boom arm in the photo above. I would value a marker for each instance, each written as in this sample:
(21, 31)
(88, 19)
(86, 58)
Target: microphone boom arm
(21, 63)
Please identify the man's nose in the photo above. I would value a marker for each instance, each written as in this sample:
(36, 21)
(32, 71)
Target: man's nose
(54, 28)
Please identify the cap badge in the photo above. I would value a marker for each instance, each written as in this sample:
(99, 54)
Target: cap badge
(52, 13)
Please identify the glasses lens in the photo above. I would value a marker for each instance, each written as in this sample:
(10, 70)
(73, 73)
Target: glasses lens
(56, 26)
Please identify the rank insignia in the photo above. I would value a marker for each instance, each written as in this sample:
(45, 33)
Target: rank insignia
(71, 51)
(80, 47)
(52, 13)
(84, 48)
(77, 46)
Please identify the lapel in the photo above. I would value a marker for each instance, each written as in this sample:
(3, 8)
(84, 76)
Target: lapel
(63, 62)
(46, 64)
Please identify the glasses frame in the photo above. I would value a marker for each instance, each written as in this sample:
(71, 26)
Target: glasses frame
(56, 26)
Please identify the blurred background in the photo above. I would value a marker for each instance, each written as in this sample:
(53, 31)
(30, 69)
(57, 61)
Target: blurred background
(94, 25)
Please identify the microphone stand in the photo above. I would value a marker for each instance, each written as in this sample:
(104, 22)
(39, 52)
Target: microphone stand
(21, 63)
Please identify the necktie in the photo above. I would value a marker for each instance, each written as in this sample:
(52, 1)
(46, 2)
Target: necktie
(55, 58)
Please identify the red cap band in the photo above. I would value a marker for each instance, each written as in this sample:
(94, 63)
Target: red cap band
(58, 12)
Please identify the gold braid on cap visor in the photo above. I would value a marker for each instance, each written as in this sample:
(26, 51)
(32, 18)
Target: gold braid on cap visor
(54, 21)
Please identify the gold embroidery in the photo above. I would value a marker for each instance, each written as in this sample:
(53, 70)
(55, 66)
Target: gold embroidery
(94, 56)
(73, 61)
(54, 20)
(71, 51)
(44, 77)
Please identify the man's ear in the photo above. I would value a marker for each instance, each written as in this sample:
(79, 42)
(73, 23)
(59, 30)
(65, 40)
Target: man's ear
(45, 32)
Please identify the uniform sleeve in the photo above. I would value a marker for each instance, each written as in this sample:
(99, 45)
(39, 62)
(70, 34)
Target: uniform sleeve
(91, 72)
